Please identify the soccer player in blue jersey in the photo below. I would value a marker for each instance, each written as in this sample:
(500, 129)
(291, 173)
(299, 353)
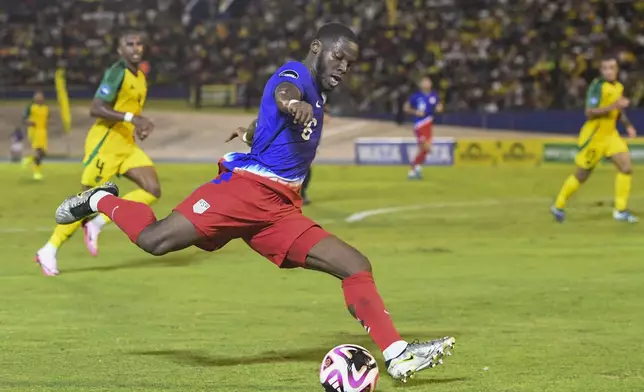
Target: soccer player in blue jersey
(422, 105)
(256, 198)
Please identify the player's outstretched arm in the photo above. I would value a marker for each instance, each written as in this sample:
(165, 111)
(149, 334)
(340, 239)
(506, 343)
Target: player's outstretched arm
(620, 104)
(245, 134)
(630, 129)
(288, 98)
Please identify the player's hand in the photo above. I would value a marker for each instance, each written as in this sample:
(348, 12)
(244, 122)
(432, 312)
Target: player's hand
(142, 126)
(622, 103)
(631, 131)
(420, 113)
(302, 112)
(239, 132)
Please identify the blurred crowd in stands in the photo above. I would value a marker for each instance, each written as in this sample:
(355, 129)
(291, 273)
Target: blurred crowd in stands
(482, 54)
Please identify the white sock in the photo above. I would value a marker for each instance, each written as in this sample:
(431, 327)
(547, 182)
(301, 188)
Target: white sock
(95, 198)
(99, 221)
(394, 350)
(50, 248)
(418, 168)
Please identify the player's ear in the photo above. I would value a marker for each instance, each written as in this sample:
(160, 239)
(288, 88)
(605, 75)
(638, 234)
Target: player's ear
(316, 46)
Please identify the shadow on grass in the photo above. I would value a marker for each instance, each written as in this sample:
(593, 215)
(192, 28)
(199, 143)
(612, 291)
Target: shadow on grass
(310, 354)
(198, 358)
(181, 259)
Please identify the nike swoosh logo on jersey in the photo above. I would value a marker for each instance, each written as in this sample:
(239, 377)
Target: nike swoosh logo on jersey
(317, 104)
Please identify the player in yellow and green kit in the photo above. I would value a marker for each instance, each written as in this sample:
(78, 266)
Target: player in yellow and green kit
(110, 147)
(36, 117)
(599, 138)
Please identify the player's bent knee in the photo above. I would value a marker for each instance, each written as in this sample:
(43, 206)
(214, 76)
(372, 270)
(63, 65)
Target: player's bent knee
(582, 174)
(151, 243)
(154, 190)
(626, 169)
(153, 247)
(359, 263)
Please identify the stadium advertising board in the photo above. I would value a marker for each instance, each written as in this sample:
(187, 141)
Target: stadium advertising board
(565, 152)
(512, 152)
(527, 152)
(214, 95)
(476, 153)
(401, 151)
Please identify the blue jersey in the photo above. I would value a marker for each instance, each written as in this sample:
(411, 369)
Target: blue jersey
(426, 103)
(281, 149)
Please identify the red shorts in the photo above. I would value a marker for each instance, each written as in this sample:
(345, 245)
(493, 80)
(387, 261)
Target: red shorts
(423, 131)
(264, 213)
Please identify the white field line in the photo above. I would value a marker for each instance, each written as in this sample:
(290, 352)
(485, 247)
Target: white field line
(362, 215)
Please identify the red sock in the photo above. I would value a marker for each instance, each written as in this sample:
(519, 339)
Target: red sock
(130, 216)
(420, 157)
(364, 302)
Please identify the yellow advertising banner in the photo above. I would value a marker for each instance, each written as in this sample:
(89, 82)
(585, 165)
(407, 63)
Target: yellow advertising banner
(526, 152)
(511, 152)
(476, 153)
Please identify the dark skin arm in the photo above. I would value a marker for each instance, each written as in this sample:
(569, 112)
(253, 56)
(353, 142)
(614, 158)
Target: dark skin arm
(102, 109)
(245, 134)
(621, 103)
(630, 129)
(301, 111)
(28, 123)
(285, 93)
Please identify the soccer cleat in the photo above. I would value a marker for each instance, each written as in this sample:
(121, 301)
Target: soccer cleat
(558, 214)
(47, 261)
(415, 174)
(419, 356)
(38, 176)
(77, 207)
(91, 233)
(625, 216)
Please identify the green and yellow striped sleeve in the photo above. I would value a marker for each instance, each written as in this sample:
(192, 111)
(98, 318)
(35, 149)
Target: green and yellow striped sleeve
(111, 83)
(594, 94)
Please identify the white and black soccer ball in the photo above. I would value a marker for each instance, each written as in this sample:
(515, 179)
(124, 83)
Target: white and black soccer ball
(349, 368)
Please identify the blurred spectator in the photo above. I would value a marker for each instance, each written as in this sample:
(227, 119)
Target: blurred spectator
(16, 146)
(483, 54)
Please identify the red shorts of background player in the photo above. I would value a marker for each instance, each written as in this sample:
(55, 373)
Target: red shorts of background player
(423, 131)
(264, 213)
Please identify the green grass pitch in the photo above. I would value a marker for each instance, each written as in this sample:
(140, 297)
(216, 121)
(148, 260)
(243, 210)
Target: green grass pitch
(534, 305)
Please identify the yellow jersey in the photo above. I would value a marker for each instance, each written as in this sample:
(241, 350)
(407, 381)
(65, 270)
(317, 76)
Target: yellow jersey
(125, 91)
(37, 114)
(602, 93)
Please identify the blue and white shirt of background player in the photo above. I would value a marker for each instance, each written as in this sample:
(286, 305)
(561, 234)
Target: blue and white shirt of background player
(282, 150)
(426, 103)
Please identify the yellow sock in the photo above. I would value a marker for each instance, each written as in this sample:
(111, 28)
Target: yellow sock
(139, 195)
(62, 234)
(569, 187)
(26, 161)
(622, 190)
(37, 174)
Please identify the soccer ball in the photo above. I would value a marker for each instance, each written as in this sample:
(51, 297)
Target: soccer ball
(349, 368)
